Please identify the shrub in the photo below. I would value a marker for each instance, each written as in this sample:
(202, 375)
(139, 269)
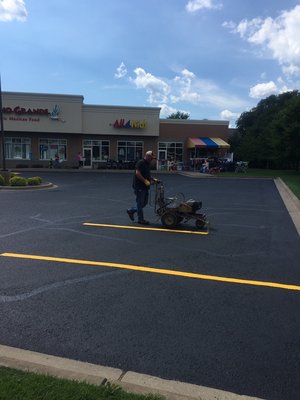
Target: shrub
(34, 181)
(2, 181)
(18, 181)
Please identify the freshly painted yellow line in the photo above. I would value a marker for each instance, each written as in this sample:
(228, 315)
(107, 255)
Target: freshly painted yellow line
(154, 271)
(146, 229)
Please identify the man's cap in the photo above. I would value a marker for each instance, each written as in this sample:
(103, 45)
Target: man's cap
(150, 153)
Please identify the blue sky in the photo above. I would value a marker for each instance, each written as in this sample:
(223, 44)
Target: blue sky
(211, 58)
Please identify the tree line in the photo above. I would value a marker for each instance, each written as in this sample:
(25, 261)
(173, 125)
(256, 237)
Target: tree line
(268, 136)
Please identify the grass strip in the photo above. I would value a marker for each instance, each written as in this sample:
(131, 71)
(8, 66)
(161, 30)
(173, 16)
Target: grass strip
(20, 385)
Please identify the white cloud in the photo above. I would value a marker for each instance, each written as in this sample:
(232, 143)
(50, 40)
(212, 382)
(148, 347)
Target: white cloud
(183, 90)
(166, 110)
(195, 5)
(228, 115)
(157, 89)
(280, 36)
(121, 71)
(263, 90)
(183, 84)
(12, 10)
(291, 70)
(248, 28)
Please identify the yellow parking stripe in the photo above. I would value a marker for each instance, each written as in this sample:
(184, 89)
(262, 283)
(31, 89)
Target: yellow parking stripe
(154, 271)
(146, 229)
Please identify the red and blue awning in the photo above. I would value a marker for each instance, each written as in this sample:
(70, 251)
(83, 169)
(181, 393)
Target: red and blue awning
(207, 142)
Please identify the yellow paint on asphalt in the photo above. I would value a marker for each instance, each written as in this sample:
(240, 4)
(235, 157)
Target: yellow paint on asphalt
(154, 271)
(146, 229)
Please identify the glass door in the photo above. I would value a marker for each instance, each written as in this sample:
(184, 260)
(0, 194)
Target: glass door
(162, 154)
(87, 157)
(162, 162)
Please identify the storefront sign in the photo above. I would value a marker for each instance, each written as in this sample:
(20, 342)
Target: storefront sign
(21, 119)
(134, 124)
(21, 111)
(31, 114)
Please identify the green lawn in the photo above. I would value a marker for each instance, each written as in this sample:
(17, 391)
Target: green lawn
(291, 178)
(18, 385)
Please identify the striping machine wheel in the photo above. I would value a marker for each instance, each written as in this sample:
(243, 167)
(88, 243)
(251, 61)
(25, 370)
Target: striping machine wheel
(201, 223)
(169, 220)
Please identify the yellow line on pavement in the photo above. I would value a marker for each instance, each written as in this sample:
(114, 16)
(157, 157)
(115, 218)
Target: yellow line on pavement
(146, 229)
(154, 271)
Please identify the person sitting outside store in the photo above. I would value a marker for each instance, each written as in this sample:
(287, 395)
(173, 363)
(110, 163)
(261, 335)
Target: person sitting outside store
(214, 166)
(205, 166)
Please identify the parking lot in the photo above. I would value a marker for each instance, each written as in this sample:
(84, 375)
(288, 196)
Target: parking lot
(218, 309)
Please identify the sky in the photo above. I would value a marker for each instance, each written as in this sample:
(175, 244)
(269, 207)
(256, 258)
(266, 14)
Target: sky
(213, 59)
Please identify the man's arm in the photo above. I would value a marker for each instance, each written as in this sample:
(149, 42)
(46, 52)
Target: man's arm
(140, 177)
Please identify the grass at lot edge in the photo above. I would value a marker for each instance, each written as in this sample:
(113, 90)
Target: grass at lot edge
(17, 385)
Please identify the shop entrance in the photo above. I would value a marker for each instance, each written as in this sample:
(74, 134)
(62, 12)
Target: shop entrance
(87, 157)
(162, 163)
(162, 154)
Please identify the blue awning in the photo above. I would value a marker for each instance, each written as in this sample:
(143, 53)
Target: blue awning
(210, 143)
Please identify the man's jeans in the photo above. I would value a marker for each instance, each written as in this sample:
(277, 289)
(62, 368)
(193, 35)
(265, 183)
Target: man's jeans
(142, 196)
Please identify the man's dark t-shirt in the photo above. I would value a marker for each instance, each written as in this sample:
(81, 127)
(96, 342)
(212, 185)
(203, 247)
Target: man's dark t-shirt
(144, 167)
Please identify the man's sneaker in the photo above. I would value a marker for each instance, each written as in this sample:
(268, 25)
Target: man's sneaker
(143, 222)
(130, 214)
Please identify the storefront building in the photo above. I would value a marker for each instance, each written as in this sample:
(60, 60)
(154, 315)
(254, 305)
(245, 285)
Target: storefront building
(44, 129)
(189, 141)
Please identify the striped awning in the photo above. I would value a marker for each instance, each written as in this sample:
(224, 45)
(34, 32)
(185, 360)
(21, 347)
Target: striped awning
(207, 142)
(195, 142)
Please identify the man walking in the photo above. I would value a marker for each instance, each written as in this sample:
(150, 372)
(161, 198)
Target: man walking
(141, 184)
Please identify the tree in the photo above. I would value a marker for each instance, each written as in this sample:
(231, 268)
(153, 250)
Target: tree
(179, 115)
(269, 134)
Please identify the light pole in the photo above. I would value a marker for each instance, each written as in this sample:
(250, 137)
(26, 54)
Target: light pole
(2, 130)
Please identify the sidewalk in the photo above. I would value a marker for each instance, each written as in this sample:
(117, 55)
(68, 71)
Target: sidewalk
(96, 374)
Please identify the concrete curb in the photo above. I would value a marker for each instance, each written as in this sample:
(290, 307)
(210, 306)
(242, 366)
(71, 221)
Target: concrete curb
(46, 185)
(26, 360)
(291, 202)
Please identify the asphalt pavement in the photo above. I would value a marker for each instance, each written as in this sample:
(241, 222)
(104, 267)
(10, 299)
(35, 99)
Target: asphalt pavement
(217, 311)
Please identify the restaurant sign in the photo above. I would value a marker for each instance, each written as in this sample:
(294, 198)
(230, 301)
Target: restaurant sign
(130, 124)
(30, 114)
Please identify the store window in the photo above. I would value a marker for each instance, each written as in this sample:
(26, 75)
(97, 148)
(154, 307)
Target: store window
(100, 149)
(170, 151)
(17, 148)
(130, 151)
(53, 148)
